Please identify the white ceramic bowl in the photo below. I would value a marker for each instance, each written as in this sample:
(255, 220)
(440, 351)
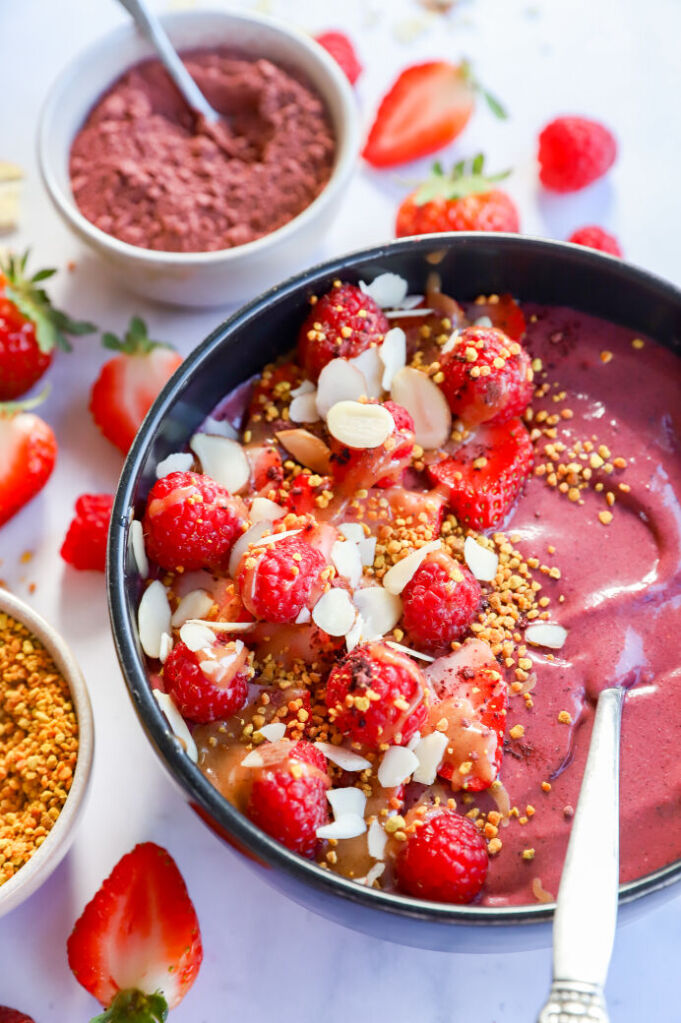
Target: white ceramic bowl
(44, 860)
(199, 278)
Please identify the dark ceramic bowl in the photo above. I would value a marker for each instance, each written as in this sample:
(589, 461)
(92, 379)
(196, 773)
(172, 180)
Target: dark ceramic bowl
(532, 270)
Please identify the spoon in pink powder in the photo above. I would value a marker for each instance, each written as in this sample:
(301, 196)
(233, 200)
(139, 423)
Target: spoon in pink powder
(586, 909)
(153, 31)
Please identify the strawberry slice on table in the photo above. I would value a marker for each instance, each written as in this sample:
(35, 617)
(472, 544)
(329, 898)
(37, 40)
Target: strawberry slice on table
(30, 327)
(482, 479)
(137, 945)
(128, 384)
(28, 451)
(426, 108)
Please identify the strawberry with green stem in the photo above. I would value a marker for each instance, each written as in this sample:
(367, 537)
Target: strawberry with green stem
(30, 327)
(465, 199)
(128, 384)
(28, 451)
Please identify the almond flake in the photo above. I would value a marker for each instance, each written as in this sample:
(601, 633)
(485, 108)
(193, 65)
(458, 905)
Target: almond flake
(426, 404)
(178, 724)
(354, 637)
(367, 550)
(346, 801)
(138, 549)
(387, 290)
(410, 301)
(374, 874)
(243, 543)
(194, 605)
(219, 428)
(222, 626)
(429, 753)
(343, 757)
(196, 637)
(414, 741)
(304, 616)
(380, 611)
(548, 634)
(349, 826)
(351, 531)
(482, 562)
(450, 342)
(306, 387)
(483, 321)
(410, 651)
(360, 426)
(398, 314)
(274, 731)
(307, 449)
(370, 366)
(253, 759)
(473, 654)
(153, 618)
(346, 558)
(276, 537)
(397, 577)
(165, 647)
(303, 408)
(177, 462)
(393, 353)
(334, 612)
(264, 510)
(339, 381)
(222, 459)
(376, 840)
(398, 764)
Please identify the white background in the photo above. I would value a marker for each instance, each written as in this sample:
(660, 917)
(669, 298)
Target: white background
(266, 958)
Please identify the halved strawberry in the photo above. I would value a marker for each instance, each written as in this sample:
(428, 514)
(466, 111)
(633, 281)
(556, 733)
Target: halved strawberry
(485, 475)
(137, 945)
(128, 384)
(29, 451)
(503, 311)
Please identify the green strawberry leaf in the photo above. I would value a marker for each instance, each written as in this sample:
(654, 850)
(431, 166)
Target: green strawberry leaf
(134, 1006)
(136, 340)
(495, 106)
(12, 408)
(465, 178)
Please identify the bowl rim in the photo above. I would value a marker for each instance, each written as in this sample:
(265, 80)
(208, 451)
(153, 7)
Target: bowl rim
(227, 818)
(35, 871)
(347, 142)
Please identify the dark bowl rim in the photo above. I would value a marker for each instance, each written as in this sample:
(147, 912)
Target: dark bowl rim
(203, 794)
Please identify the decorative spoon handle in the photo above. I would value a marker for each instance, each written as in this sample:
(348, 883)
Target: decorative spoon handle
(586, 910)
(154, 32)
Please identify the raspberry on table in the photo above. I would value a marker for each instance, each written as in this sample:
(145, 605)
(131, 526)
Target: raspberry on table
(487, 377)
(84, 545)
(341, 324)
(444, 858)
(439, 602)
(596, 238)
(288, 798)
(204, 697)
(376, 695)
(574, 152)
(278, 580)
(191, 522)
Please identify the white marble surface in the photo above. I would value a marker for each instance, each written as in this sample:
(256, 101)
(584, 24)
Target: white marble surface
(266, 958)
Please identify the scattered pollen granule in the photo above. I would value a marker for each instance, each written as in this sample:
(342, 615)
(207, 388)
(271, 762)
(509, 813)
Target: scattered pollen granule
(38, 744)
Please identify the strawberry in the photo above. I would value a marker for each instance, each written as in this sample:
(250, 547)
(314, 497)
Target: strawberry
(484, 476)
(343, 52)
(8, 1015)
(426, 108)
(137, 946)
(462, 200)
(128, 384)
(28, 450)
(504, 313)
(30, 328)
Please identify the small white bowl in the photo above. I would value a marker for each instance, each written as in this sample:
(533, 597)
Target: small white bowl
(199, 278)
(49, 855)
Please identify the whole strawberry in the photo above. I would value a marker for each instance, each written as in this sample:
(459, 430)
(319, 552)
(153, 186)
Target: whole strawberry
(30, 327)
(137, 946)
(343, 52)
(462, 200)
(84, 545)
(28, 451)
(573, 152)
(443, 859)
(128, 384)
(596, 238)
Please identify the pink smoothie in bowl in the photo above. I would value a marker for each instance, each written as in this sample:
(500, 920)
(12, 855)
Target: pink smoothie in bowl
(584, 589)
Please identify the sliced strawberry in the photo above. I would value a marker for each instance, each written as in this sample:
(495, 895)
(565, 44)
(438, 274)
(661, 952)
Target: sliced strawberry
(483, 478)
(504, 312)
(29, 451)
(128, 384)
(138, 939)
(266, 467)
(304, 490)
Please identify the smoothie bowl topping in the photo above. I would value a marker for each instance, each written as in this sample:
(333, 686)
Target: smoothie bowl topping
(375, 577)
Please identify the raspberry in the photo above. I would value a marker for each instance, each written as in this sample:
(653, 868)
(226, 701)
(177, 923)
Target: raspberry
(573, 152)
(343, 52)
(207, 684)
(596, 238)
(440, 602)
(341, 324)
(191, 522)
(288, 797)
(84, 545)
(376, 695)
(358, 469)
(444, 859)
(278, 580)
(487, 377)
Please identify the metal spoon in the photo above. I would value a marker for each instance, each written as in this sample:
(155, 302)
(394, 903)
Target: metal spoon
(153, 31)
(586, 910)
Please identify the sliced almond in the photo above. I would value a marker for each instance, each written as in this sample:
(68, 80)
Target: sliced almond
(222, 459)
(219, 428)
(367, 550)
(343, 757)
(426, 404)
(165, 647)
(303, 408)
(483, 321)
(399, 314)
(370, 366)
(354, 637)
(393, 353)
(195, 604)
(253, 759)
(153, 618)
(360, 426)
(398, 764)
(334, 612)
(227, 627)
(339, 381)
(273, 732)
(482, 562)
(276, 537)
(346, 558)
(546, 634)
(196, 637)
(180, 461)
(380, 611)
(243, 543)
(388, 290)
(373, 875)
(264, 510)
(429, 753)
(377, 840)
(306, 387)
(410, 651)
(351, 531)
(139, 552)
(347, 800)
(178, 724)
(397, 577)
(307, 449)
(304, 616)
(349, 826)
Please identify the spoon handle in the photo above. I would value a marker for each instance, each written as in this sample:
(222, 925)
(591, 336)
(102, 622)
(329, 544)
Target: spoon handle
(586, 910)
(151, 29)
